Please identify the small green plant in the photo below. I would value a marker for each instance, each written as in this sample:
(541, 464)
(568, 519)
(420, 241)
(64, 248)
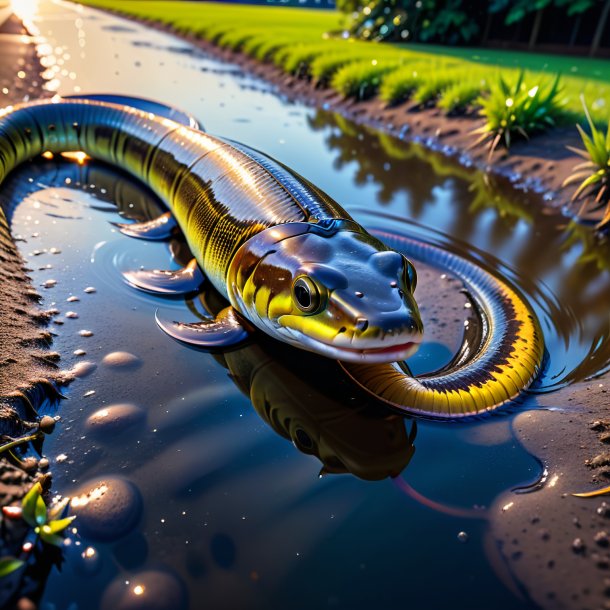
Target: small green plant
(47, 524)
(8, 565)
(459, 96)
(398, 86)
(517, 111)
(324, 67)
(361, 80)
(594, 173)
(432, 87)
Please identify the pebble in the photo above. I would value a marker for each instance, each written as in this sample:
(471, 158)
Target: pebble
(109, 421)
(72, 299)
(601, 538)
(82, 369)
(107, 508)
(49, 283)
(79, 352)
(149, 590)
(71, 314)
(578, 546)
(85, 333)
(121, 360)
(90, 290)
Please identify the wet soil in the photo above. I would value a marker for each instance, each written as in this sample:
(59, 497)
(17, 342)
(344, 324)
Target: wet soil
(27, 365)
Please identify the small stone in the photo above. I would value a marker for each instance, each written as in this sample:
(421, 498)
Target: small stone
(107, 508)
(82, 369)
(462, 537)
(121, 360)
(85, 333)
(72, 299)
(601, 538)
(43, 463)
(49, 283)
(544, 534)
(112, 420)
(578, 546)
(79, 352)
(72, 315)
(90, 290)
(600, 424)
(603, 459)
(47, 424)
(603, 510)
(150, 590)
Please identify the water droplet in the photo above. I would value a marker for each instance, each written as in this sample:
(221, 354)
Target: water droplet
(462, 537)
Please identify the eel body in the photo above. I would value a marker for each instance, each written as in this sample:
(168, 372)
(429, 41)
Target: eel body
(290, 260)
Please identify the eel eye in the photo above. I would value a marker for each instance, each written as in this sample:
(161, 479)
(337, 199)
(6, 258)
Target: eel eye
(410, 275)
(306, 294)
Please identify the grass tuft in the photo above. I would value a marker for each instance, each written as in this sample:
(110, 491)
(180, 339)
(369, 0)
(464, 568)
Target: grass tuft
(518, 110)
(594, 172)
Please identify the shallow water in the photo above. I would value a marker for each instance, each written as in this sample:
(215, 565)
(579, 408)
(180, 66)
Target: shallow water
(231, 508)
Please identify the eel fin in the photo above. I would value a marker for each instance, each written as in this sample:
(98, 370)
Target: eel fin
(156, 229)
(226, 330)
(169, 283)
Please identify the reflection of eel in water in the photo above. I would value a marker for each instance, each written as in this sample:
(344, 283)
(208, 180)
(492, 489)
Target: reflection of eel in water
(290, 260)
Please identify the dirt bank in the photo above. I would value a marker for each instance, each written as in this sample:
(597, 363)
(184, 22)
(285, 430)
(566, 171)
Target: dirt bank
(26, 362)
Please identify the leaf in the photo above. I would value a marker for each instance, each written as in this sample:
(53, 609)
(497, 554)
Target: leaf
(50, 538)
(55, 527)
(28, 504)
(592, 494)
(40, 511)
(8, 565)
(593, 179)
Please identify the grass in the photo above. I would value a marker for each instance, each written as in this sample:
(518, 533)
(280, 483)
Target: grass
(594, 172)
(298, 41)
(519, 109)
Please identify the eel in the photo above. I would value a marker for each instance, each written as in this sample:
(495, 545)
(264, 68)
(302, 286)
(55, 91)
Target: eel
(290, 260)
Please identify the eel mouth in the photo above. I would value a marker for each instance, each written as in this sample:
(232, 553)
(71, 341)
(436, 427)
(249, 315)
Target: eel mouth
(377, 355)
